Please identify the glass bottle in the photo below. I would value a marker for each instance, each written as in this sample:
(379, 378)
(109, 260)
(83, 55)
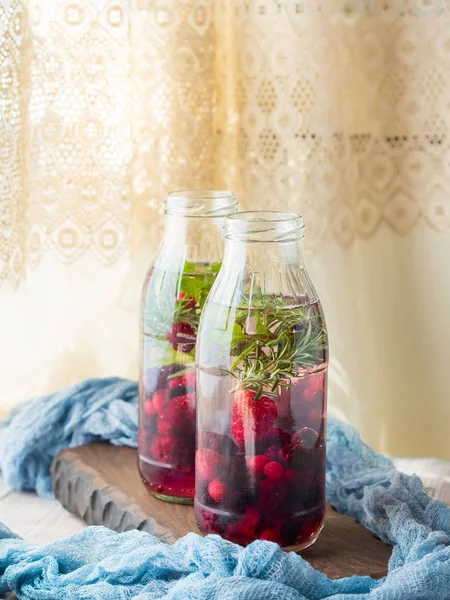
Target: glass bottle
(262, 356)
(175, 289)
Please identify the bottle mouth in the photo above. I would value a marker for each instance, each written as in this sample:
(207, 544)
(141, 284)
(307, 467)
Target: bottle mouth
(264, 226)
(200, 203)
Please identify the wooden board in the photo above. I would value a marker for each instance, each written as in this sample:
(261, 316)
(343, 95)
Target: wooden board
(101, 484)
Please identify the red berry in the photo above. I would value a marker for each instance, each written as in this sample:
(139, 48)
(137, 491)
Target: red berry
(207, 463)
(217, 490)
(165, 428)
(257, 463)
(180, 411)
(252, 419)
(182, 337)
(159, 400)
(149, 409)
(171, 451)
(270, 535)
(274, 471)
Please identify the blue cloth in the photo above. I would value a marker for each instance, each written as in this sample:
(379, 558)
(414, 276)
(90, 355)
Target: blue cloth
(89, 411)
(100, 564)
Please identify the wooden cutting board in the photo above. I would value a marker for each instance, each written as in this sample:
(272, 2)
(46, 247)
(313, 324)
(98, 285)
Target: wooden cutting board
(101, 484)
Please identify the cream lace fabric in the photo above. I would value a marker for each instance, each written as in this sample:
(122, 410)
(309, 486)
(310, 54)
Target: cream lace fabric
(339, 109)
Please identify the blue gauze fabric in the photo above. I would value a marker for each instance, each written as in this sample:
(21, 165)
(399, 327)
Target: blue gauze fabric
(102, 565)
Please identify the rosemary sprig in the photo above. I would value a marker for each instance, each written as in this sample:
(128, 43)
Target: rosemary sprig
(286, 343)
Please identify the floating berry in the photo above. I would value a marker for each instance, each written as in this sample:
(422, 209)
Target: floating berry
(149, 409)
(252, 419)
(217, 490)
(159, 400)
(180, 411)
(256, 463)
(182, 337)
(306, 438)
(270, 535)
(207, 463)
(165, 428)
(274, 471)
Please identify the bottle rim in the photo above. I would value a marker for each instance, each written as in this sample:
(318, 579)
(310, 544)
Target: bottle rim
(201, 203)
(264, 226)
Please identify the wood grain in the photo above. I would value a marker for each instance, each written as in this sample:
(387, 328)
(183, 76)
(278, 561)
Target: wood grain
(101, 484)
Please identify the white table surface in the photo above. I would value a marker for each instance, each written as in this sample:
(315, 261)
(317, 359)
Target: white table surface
(37, 520)
(41, 521)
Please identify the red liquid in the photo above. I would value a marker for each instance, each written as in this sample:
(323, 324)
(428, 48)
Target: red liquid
(274, 487)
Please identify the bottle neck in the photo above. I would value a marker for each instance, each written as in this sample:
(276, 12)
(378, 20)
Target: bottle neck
(261, 269)
(264, 257)
(195, 240)
(195, 221)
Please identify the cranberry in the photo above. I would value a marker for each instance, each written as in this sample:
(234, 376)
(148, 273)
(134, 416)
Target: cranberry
(165, 428)
(182, 337)
(274, 471)
(217, 490)
(257, 463)
(159, 400)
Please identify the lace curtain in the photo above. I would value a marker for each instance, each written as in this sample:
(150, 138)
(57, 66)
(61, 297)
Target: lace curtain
(338, 109)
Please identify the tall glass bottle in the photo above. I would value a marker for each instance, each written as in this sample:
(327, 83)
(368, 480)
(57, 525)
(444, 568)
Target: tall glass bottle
(262, 356)
(175, 289)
